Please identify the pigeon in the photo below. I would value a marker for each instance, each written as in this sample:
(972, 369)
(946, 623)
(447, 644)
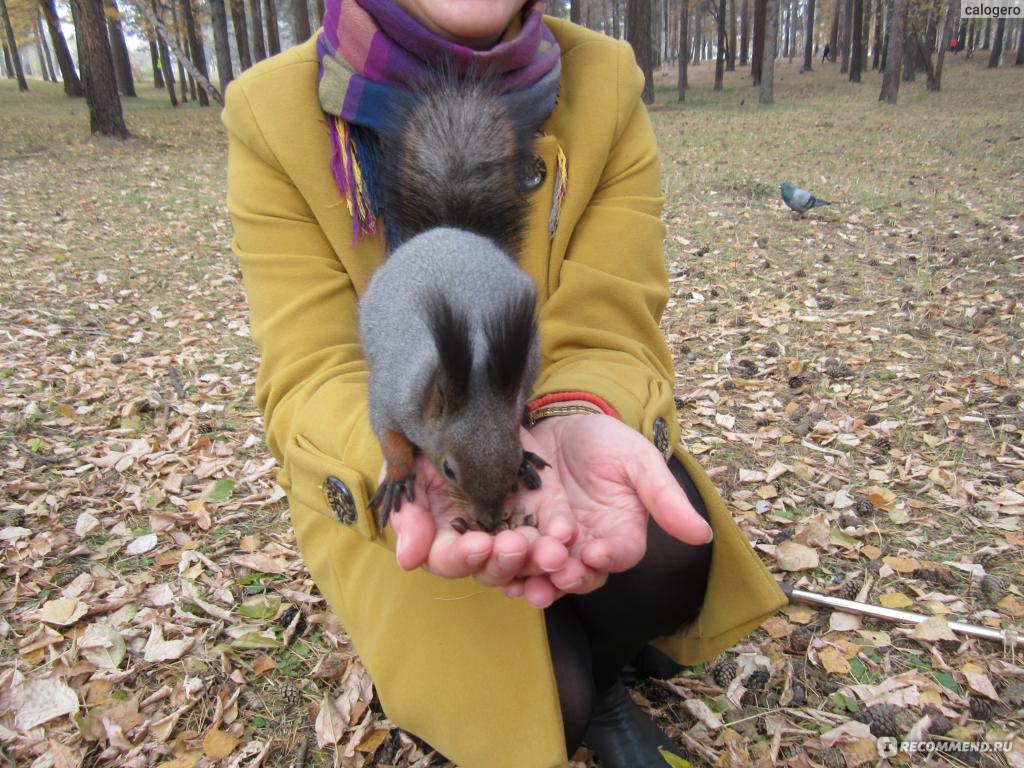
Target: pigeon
(799, 200)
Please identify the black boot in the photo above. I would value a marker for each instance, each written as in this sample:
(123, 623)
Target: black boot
(622, 735)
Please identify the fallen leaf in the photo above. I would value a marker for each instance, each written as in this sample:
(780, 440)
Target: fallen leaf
(895, 600)
(978, 681)
(329, 725)
(902, 564)
(39, 701)
(934, 628)
(60, 612)
(796, 557)
(141, 545)
(158, 649)
(218, 744)
(833, 660)
(257, 561)
(103, 646)
(703, 713)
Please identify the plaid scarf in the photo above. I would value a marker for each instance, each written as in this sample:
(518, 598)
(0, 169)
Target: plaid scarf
(372, 55)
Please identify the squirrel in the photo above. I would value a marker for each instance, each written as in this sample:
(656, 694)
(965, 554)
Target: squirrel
(447, 321)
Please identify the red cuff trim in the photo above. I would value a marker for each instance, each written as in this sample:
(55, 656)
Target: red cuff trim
(561, 397)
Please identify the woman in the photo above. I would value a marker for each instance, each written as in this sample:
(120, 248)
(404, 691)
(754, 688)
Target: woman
(521, 675)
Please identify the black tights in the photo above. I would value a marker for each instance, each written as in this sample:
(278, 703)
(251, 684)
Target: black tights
(592, 637)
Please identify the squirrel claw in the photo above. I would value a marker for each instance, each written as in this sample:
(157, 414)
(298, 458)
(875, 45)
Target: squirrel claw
(528, 470)
(388, 498)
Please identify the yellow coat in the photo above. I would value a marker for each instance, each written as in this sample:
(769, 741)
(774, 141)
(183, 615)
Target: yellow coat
(460, 665)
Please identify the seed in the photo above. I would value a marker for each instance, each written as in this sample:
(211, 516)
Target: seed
(460, 525)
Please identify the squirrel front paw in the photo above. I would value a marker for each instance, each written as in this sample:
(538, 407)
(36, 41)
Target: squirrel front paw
(528, 470)
(388, 497)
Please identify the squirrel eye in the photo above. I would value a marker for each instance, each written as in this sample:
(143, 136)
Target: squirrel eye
(448, 471)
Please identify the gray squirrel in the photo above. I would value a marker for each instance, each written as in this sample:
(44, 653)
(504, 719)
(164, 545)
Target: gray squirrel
(447, 321)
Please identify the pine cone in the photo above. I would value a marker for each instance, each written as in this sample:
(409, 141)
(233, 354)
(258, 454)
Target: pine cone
(987, 560)
(291, 696)
(864, 507)
(288, 616)
(940, 723)
(849, 590)
(832, 758)
(982, 708)
(882, 719)
(800, 639)
(871, 419)
(757, 680)
(724, 671)
(992, 588)
(882, 445)
(1012, 693)
(941, 577)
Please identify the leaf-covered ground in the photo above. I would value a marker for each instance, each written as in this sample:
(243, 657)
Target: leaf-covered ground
(851, 380)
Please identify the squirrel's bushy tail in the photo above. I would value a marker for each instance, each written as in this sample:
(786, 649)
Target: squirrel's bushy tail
(458, 160)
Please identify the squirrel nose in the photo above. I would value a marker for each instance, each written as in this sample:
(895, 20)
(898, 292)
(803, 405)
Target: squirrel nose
(488, 518)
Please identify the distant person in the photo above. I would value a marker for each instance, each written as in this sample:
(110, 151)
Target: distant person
(825, 53)
(952, 45)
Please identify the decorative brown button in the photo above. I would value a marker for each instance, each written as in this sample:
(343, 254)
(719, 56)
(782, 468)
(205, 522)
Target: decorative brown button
(535, 173)
(660, 436)
(340, 500)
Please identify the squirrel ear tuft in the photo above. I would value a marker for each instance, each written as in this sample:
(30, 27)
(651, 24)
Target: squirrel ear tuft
(450, 329)
(510, 336)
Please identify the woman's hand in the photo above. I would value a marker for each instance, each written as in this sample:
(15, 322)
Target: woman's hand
(591, 513)
(610, 477)
(426, 535)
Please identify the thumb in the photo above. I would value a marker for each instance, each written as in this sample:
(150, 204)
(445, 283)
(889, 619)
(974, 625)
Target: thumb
(414, 529)
(664, 499)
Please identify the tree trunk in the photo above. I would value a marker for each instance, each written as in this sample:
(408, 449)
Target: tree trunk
(997, 44)
(988, 35)
(757, 54)
(786, 20)
(894, 53)
(684, 46)
(833, 38)
(259, 48)
(809, 37)
(300, 20)
(794, 12)
(574, 11)
(105, 115)
(744, 32)
(12, 46)
(154, 55)
(730, 50)
(961, 37)
(698, 42)
(952, 14)
(8, 67)
(119, 49)
(877, 52)
(638, 31)
(237, 8)
(857, 54)
(166, 68)
(219, 17)
(72, 85)
(273, 33)
(40, 42)
(1020, 47)
(46, 47)
(720, 56)
(179, 51)
(195, 46)
(845, 37)
(769, 47)
(617, 22)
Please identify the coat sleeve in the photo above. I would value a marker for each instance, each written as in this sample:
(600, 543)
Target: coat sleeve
(312, 380)
(600, 326)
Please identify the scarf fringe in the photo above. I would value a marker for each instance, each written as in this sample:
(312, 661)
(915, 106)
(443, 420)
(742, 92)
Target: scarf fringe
(354, 160)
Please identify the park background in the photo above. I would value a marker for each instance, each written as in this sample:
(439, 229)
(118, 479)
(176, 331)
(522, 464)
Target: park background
(850, 379)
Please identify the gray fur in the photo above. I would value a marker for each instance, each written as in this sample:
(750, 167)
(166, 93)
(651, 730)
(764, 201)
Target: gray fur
(481, 439)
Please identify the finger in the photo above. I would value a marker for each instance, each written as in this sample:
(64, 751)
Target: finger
(454, 555)
(547, 555)
(514, 588)
(560, 526)
(617, 552)
(414, 530)
(540, 592)
(591, 580)
(571, 577)
(508, 556)
(664, 499)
